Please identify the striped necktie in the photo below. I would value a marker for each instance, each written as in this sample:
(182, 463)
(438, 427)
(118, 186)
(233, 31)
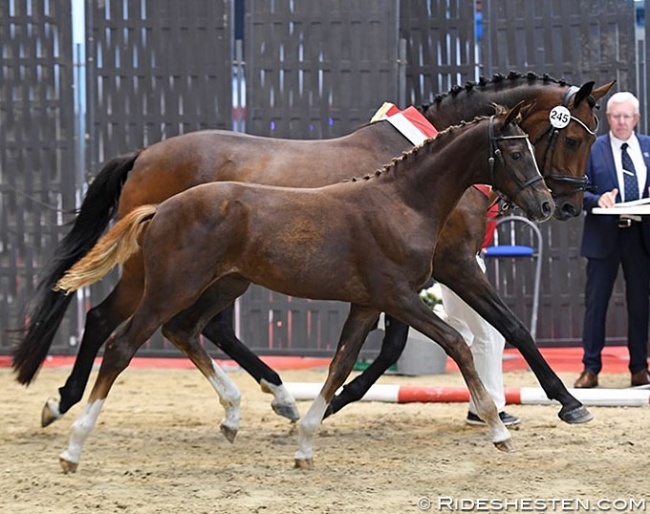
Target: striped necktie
(630, 183)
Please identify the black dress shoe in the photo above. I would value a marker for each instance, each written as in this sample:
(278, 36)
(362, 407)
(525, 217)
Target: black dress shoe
(640, 378)
(586, 380)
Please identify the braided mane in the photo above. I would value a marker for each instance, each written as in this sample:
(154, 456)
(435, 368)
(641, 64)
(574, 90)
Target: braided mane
(427, 146)
(496, 80)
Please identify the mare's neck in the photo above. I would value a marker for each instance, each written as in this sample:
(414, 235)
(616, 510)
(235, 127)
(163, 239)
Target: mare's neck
(465, 104)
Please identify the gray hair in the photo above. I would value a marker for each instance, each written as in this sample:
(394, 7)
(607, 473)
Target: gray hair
(623, 97)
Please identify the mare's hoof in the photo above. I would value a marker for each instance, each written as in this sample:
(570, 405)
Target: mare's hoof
(229, 433)
(575, 416)
(50, 412)
(304, 463)
(505, 446)
(68, 466)
(287, 410)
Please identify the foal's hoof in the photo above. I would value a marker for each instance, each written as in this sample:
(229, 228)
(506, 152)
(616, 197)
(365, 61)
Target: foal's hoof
(505, 446)
(50, 412)
(575, 416)
(304, 463)
(287, 410)
(68, 466)
(228, 432)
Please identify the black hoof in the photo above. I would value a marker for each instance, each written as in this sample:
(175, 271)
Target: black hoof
(576, 415)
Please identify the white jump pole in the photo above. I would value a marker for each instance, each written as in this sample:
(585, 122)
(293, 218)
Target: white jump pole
(514, 396)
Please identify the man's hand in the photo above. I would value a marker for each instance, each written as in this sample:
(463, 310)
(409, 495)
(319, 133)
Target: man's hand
(608, 199)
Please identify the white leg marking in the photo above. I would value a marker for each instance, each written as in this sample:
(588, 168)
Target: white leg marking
(81, 429)
(283, 402)
(53, 405)
(307, 428)
(499, 433)
(229, 396)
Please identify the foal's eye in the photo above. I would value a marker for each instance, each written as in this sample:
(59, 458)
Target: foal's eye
(571, 143)
(516, 155)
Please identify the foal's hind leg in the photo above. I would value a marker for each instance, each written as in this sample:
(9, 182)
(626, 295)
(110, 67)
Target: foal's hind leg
(120, 349)
(359, 322)
(220, 331)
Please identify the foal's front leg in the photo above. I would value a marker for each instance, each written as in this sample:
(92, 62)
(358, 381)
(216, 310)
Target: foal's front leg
(416, 314)
(359, 322)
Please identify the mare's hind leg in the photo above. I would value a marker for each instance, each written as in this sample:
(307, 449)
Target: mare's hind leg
(392, 347)
(359, 322)
(220, 331)
(100, 322)
(414, 312)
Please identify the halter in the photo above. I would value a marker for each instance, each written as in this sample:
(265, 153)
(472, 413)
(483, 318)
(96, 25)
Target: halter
(581, 184)
(495, 151)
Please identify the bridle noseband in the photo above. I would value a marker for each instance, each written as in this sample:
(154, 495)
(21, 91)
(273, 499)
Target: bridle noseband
(581, 184)
(495, 152)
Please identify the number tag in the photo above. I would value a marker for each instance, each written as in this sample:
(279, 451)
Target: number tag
(559, 117)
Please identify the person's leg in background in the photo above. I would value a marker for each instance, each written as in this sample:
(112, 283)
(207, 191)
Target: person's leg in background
(487, 345)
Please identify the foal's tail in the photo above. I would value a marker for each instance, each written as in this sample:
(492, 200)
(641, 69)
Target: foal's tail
(112, 249)
(46, 308)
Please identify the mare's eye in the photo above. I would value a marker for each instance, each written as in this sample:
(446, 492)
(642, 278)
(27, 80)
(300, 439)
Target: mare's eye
(516, 155)
(571, 143)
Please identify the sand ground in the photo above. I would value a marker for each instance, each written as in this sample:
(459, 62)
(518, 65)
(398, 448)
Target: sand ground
(157, 449)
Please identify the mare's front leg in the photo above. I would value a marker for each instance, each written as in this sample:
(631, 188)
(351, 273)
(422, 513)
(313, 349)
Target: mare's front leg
(220, 331)
(359, 322)
(470, 283)
(414, 312)
(392, 347)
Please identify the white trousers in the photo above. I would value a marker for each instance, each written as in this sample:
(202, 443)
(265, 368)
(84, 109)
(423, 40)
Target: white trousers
(485, 342)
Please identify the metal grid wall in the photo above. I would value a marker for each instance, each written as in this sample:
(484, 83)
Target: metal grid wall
(315, 69)
(318, 69)
(36, 147)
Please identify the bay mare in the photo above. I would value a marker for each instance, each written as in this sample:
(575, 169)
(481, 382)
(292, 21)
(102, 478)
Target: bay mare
(369, 242)
(166, 168)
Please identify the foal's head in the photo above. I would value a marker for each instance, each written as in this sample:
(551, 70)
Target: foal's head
(512, 165)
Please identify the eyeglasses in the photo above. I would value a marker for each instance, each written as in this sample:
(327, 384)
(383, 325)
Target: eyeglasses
(624, 117)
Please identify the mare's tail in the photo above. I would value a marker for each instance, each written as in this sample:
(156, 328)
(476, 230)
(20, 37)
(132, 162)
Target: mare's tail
(46, 308)
(112, 249)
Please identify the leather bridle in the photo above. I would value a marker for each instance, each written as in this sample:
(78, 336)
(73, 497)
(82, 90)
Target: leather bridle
(581, 183)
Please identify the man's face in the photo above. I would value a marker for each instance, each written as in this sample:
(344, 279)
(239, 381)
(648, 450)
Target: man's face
(622, 119)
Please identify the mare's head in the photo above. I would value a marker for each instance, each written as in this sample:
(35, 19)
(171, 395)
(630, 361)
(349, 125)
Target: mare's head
(562, 133)
(561, 123)
(512, 165)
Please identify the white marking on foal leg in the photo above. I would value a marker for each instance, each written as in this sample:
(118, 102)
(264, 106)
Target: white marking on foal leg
(230, 398)
(81, 429)
(283, 402)
(307, 428)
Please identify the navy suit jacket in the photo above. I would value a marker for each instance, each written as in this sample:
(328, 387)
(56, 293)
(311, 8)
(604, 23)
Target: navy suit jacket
(600, 235)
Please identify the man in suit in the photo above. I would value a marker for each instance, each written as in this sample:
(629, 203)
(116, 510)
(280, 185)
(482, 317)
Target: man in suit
(619, 168)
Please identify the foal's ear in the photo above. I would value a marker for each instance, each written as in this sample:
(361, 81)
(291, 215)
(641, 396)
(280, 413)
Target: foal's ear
(513, 113)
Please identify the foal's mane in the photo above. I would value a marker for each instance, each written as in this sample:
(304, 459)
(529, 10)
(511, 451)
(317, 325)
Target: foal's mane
(498, 80)
(428, 146)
